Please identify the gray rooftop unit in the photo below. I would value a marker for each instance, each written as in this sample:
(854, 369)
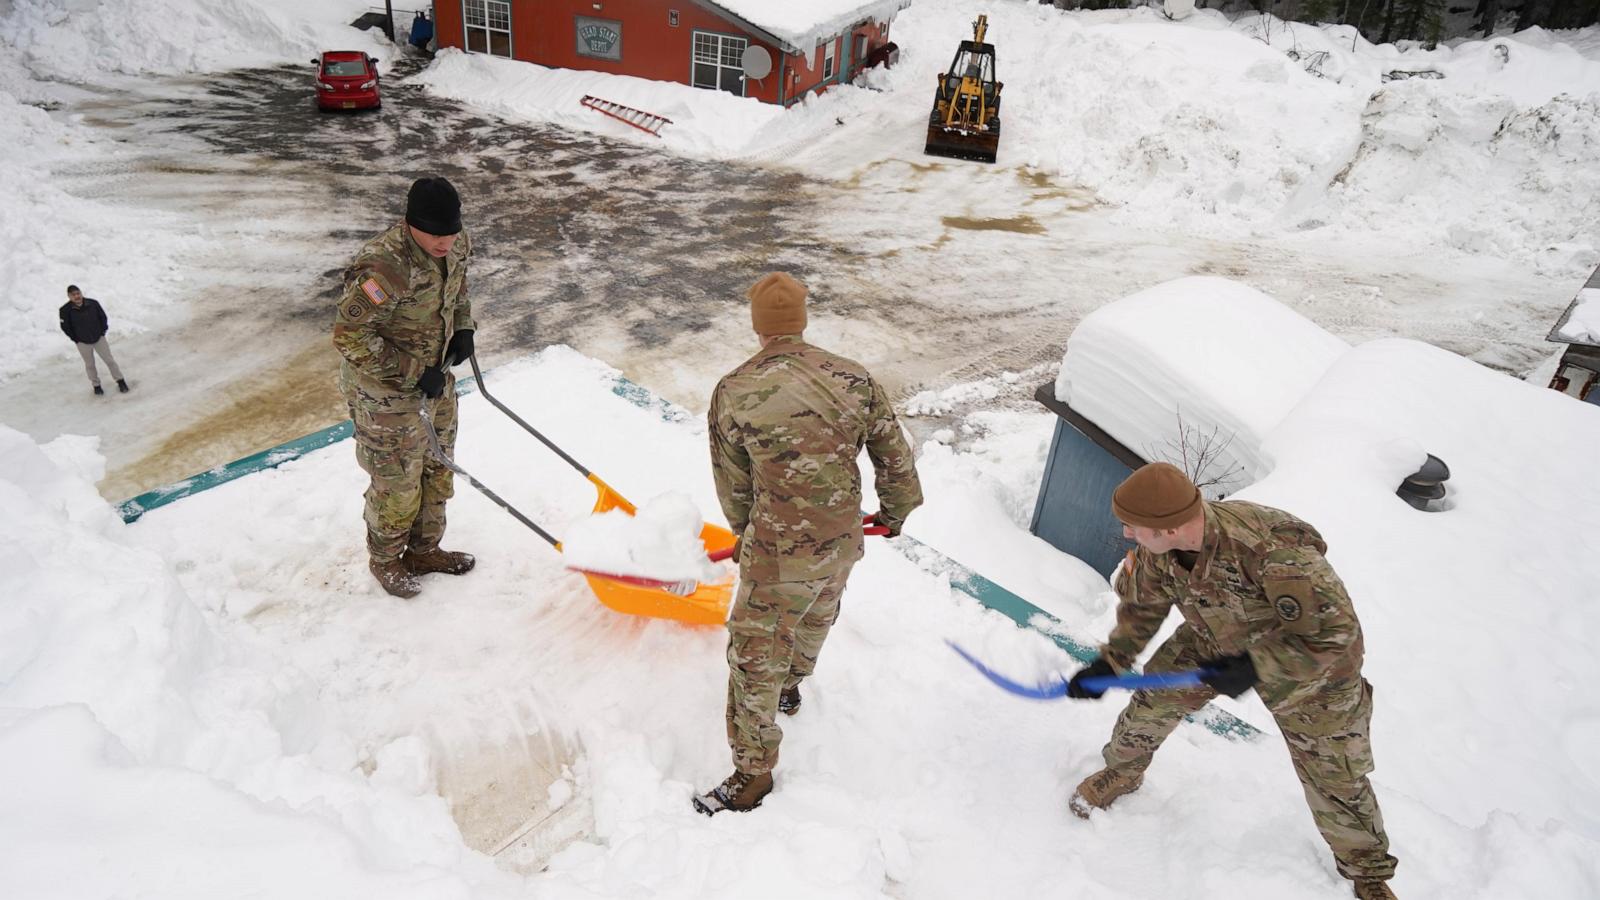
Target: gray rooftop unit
(1073, 511)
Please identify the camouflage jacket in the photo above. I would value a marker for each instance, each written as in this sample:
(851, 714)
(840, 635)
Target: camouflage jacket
(398, 313)
(1260, 585)
(786, 429)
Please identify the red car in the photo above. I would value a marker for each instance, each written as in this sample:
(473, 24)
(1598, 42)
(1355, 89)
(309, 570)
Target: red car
(347, 79)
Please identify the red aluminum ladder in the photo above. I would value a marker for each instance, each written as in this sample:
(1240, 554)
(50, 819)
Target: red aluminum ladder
(638, 118)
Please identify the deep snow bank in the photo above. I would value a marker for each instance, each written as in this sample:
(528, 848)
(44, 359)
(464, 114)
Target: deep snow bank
(145, 751)
(1478, 619)
(77, 40)
(1205, 124)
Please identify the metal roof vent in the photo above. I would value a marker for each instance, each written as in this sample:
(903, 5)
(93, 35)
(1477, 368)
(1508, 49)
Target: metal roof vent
(1424, 489)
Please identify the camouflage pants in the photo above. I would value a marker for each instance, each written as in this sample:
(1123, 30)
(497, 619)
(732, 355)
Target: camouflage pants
(1329, 744)
(408, 487)
(775, 633)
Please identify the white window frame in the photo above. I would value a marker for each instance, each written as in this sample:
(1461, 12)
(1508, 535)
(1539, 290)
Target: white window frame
(487, 24)
(830, 60)
(728, 50)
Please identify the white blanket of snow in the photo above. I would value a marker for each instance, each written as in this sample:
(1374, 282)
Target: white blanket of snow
(803, 24)
(1479, 619)
(1584, 323)
(193, 694)
(661, 541)
(1222, 357)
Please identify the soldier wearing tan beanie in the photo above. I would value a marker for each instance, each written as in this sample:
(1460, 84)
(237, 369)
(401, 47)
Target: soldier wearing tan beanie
(1262, 610)
(777, 305)
(786, 428)
(1158, 496)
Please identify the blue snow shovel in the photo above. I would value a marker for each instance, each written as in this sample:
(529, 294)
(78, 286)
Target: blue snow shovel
(1157, 681)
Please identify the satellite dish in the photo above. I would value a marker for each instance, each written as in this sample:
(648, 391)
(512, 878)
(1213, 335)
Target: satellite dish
(757, 62)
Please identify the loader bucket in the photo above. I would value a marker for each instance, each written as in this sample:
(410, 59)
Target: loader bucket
(708, 605)
(956, 143)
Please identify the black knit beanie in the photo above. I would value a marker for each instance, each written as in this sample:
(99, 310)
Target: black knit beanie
(433, 206)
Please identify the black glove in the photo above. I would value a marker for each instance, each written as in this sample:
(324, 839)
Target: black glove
(1231, 675)
(460, 349)
(1097, 668)
(431, 382)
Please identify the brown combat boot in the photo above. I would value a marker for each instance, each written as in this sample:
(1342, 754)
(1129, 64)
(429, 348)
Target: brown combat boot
(1372, 889)
(450, 562)
(1100, 789)
(395, 578)
(789, 700)
(740, 792)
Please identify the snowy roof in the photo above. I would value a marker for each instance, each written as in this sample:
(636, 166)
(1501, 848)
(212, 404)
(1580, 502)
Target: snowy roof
(799, 26)
(1222, 358)
(1580, 323)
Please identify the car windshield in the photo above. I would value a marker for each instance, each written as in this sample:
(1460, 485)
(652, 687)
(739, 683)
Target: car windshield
(344, 68)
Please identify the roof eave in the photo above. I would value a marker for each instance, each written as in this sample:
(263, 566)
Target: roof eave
(754, 29)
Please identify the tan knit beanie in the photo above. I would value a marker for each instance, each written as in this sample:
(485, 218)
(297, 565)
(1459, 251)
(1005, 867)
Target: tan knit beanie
(1158, 495)
(778, 305)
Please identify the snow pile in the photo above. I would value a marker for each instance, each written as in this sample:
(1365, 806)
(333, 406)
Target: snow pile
(1583, 324)
(144, 751)
(804, 24)
(1193, 366)
(74, 40)
(1204, 124)
(661, 541)
(56, 239)
(709, 123)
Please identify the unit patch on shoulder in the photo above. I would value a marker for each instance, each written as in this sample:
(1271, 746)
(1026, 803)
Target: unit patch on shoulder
(374, 293)
(355, 312)
(1288, 608)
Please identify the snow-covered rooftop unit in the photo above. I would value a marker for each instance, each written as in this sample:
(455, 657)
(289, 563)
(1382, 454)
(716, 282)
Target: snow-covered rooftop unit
(1195, 372)
(1578, 374)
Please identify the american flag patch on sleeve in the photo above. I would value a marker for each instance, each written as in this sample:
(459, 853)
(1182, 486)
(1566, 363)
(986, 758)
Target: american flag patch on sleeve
(373, 292)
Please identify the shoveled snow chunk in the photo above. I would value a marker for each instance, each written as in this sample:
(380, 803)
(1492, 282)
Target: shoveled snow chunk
(661, 541)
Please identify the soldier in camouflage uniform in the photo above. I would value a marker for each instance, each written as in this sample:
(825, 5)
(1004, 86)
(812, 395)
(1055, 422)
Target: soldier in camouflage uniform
(786, 429)
(402, 321)
(1262, 608)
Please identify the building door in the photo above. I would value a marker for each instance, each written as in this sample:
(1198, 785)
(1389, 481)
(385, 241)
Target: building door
(718, 62)
(488, 26)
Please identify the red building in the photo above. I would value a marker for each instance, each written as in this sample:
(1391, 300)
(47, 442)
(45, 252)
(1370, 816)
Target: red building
(695, 42)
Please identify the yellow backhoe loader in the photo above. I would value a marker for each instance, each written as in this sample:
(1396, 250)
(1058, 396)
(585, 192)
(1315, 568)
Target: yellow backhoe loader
(965, 122)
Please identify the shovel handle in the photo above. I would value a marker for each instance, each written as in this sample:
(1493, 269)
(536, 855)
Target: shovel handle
(870, 528)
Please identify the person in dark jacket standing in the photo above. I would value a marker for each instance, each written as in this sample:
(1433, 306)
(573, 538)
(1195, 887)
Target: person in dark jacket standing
(83, 320)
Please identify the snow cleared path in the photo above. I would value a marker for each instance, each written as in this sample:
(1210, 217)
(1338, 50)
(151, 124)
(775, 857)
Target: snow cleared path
(635, 257)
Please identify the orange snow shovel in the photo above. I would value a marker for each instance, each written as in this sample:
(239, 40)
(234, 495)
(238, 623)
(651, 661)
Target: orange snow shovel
(684, 601)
